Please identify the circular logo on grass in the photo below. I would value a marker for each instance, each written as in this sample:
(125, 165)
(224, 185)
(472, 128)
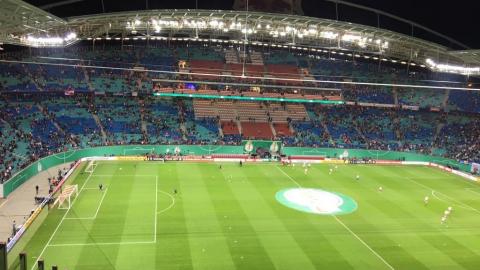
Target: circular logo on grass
(316, 201)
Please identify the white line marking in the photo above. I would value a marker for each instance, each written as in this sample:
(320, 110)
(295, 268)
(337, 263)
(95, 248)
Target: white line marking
(96, 212)
(346, 227)
(156, 209)
(363, 242)
(101, 244)
(124, 175)
(288, 176)
(465, 206)
(467, 189)
(171, 204)
(60, 223)
(100, 204)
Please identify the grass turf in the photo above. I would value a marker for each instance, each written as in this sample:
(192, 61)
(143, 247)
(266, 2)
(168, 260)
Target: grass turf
(229, 219)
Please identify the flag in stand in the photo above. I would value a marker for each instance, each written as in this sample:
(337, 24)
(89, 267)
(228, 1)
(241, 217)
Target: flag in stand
(69, 92)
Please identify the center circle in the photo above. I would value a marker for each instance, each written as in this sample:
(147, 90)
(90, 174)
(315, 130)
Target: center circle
(316, 201)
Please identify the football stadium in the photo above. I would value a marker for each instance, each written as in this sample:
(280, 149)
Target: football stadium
(235, 135)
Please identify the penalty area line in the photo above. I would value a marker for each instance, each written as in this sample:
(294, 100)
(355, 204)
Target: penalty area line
(464, 205)
(347, 228)
(60, 223)
(101, 244)
(96, 212)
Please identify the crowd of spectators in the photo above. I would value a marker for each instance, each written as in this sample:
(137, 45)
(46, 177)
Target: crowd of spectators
(103, 111)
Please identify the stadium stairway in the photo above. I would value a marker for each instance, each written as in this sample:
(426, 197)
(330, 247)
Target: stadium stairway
(445, 99)
(99, 124)
(47, 115)
(87, 78)
(273, 129)
(395, 95)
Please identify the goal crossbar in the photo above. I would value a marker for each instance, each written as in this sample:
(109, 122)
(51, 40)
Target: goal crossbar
(64, 200)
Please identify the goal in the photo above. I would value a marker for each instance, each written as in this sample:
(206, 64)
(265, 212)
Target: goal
(67, 196)
(91, 166)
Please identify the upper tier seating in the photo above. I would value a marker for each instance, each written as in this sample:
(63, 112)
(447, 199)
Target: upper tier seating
(467, 101)
(421, 97)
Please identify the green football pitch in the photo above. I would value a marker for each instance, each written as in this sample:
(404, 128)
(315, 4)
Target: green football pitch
(232, 218)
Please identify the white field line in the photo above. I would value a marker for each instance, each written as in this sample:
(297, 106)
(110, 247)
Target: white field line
(102, 244)
(156, 210)
(466, 206)
(456, 204)
(60, 223)
(288, 176)
(363, 242)
(171, 204)
(472, 191)
(124, 175)
(98, 208)
(347, 228)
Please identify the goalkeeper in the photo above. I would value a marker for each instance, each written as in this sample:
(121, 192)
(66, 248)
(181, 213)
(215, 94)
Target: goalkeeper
(100, 187)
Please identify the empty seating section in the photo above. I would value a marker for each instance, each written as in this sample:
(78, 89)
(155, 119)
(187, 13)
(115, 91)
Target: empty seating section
(257, 130)
(230, 128)
(249, 111)
(256, 58)
(281, 71)
(280, 57)
(205, 67)
(188, 53)
(159, 58)
(231, 56)
(249, 114)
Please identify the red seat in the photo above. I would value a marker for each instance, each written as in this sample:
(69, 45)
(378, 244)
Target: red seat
(257, 130)
(230, 128)
(282, 129)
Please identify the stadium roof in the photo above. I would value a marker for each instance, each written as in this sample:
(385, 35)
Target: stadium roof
(24, 24)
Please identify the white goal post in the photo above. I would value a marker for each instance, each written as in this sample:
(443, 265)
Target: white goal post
(91, 166)
(67, 196)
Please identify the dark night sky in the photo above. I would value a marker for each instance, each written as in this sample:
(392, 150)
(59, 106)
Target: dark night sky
(452, 18)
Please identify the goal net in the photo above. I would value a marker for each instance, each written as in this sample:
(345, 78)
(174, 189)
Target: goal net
(91, 167)
(67, 196)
